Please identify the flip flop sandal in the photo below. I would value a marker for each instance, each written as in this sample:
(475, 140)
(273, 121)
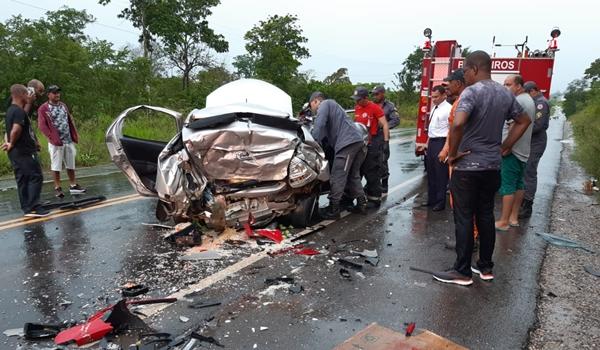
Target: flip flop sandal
(503, 229)
(516, 224)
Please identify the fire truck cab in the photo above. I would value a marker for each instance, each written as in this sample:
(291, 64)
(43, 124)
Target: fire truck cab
(444, 56)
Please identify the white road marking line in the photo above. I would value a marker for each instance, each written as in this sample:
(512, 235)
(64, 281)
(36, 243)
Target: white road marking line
(238, 266)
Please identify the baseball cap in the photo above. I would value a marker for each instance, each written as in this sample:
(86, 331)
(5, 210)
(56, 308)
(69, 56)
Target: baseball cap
(530, 85)
(360, 93)
(53, 88)
(378, 89)
(315, 95)
(458, 74)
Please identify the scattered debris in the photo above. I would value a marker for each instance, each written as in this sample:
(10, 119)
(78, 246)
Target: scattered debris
(184, 319)
(205, 339)
(205, 255)
(203, 304)
(562, 241)
(263, 328)
(278, 280)
(273, 234)
(361, 275)
(34, 331)
(345, 274)
(592, 271)
(295, 289)
(372, 261)
(350, 264)
(15, 332)
(410, 329)
(158, 226)
(368, 253)
(133, 290)
(185, 234)
(307, 251)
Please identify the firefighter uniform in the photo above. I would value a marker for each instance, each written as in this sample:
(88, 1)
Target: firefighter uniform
(371, 169)
(538, 146)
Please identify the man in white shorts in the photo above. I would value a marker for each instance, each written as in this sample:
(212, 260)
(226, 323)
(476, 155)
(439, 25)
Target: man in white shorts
(56, 123)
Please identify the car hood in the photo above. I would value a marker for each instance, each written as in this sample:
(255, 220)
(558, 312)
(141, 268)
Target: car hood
(252, 92)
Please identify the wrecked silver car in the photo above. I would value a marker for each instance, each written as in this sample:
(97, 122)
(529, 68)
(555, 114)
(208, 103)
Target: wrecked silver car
(243, 158)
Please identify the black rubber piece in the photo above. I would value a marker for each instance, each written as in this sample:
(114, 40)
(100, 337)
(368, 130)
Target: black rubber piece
(134, 291)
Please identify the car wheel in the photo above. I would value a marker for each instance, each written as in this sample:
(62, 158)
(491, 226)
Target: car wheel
(305, 212)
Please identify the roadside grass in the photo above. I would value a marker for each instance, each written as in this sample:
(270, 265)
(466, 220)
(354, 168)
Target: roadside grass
(92, 150)
(586, 130)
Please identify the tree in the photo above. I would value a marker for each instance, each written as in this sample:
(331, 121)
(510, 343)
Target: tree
(181, 28)
(338, 77)
(409, 78)
(274, 48)
(593, 71)
(575, 96)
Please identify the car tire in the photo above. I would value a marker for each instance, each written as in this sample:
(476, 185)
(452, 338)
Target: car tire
(305, 212)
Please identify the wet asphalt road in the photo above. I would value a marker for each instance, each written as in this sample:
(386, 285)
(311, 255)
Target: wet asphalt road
(80, 260)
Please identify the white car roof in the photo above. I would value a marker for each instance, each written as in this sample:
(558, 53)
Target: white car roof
(255, 94)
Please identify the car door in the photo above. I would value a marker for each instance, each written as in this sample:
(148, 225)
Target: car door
(137, 157)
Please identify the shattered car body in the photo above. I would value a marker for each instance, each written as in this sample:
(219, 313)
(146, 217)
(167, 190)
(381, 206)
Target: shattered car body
(242, 158)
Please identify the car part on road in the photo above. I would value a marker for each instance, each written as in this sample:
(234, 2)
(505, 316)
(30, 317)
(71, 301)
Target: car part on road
(562, 241)
(274, 235)
(134, 290)
(350, 264)
(187, 234)
(200, 304)
(372, 261)
(35, 331)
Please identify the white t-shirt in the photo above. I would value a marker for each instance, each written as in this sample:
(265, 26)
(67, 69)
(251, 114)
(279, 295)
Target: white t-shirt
(438, 124)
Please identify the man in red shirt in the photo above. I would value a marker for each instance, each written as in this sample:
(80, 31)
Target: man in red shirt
(373, 117)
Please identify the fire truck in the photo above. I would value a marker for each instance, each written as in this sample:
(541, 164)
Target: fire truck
(444, 56)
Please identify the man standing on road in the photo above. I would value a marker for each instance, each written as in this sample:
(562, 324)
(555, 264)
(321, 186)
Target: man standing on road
(437, 171)
(56, 123)
(393, 119)
(22, 151)
(372, 116)
(538, 146)
(332, 126)
(475, 152)
(512, 172)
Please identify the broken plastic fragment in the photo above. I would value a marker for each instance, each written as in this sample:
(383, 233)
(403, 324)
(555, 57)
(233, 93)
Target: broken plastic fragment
(15, 332)
(274, 235)
(350, 264)
(263, 328)
(369, 253)
(410, 329)
(307, 251)
(372, 261)
(183, 319)
(134, 290)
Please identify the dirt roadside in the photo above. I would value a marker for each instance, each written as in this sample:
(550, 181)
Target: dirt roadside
(568, 310)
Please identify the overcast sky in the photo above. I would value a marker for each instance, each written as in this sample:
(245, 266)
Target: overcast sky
(372, 38)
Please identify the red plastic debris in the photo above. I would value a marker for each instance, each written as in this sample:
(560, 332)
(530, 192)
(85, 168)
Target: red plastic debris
(274, 235)
(410, 329)
(307, 251)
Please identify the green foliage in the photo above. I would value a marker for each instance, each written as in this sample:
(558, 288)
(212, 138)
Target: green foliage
(586, 129)
(274, 48)
(409, 78)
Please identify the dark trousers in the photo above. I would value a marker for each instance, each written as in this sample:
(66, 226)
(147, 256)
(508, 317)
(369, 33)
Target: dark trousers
(437, 173)
(28, 174)
(538, 146)
(371, 170)
(473, 195)
(385, 169)
(345, 173)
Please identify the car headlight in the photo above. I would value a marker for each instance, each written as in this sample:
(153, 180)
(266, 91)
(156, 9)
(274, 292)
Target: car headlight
(300, 173)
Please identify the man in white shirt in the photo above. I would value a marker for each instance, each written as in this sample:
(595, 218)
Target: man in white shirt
(437, 171)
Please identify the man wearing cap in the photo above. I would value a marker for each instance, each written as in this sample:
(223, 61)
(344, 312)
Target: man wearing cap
(538, 145)
(372, 116)
(333, 127)
(56, 123)
(393, 119)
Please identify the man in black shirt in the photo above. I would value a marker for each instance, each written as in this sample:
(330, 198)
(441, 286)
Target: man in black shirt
(21, 147)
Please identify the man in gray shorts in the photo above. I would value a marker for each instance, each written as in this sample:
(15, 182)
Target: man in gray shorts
(56, 123)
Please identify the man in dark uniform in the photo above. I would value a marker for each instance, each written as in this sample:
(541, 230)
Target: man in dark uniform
(538, 145)
(393, 119)
(22, 150)
(332, 126)
(372, 116)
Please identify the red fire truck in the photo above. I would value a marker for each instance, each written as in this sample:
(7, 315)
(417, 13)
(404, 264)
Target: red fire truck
(444, 56)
